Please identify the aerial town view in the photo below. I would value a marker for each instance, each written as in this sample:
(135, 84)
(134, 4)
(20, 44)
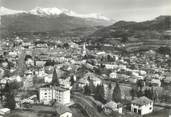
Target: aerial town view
(85, 58)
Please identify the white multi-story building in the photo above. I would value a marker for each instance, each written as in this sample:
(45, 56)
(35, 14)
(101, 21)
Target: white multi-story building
(49, 93)
(142, 106)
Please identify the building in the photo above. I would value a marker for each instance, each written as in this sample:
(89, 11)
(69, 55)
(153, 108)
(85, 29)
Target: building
(4, 111)
(156, 82)
(49, 93)
(28, 79)
(84, 50)
(142, 106)
(40, 63)
(48, 78)
(29, 62)
(112, 106)
(1, 73)
(28, 82)
(11, 79)
(83, 82)
(63, 111)
(167, 78)
(89, 77)
(30, 100)
(65, 83)
(111, 66)
(113, 75)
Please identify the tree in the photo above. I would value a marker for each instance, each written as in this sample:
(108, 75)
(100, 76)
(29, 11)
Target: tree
(99, 93)
(72, 80)
(133, 93)
(140, 84)
(55, 80)
(152, 94)
(109, 92)
(9, 97)
(91, 85)
(110, 86)
(6, 88)
(156, 96)
(49, 63)
(140, 93)
(87, 90)
(169, 63)
(21, 64)
(6, 73)
(164, 50)
(15, 85)
(66, 45)
(28, 57)
(147, 93)
(117, 93)
(109, 58)
(124, 39)
(10, 101)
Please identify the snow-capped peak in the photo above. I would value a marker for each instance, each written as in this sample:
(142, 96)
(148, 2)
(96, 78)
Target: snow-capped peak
(56, 11)
(45, 11)
(92, 15)
(53, 11)
(6, 11)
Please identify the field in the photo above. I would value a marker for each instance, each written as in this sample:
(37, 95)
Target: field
(161, 113)
(23, 114)
(147, 44)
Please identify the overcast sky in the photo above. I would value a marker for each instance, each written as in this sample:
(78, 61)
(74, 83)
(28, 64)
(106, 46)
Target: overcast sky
(137, 10)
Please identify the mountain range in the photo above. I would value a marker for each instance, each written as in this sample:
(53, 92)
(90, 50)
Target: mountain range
(48, 20)
(52, 11)
(5, 11)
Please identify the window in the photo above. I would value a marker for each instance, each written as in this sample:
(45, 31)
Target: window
(135, 110)
(139, 112)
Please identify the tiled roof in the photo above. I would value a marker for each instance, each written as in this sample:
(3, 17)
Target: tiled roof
(61, 109)
(142, 101)
(111, 104)
(61, 89)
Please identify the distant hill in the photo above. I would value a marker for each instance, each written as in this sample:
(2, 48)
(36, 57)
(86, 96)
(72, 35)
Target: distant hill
(160, 23)
(135, 36)
(143, 30)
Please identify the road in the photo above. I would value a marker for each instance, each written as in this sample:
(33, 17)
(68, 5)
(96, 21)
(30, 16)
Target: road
(87, 105)
(165, 105)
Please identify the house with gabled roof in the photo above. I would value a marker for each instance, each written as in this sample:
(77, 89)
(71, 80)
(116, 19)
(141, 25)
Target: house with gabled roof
(112, 106)
(63, 111)
(142, 106)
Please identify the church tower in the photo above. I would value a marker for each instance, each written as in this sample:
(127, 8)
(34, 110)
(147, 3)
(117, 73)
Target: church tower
(84, 50)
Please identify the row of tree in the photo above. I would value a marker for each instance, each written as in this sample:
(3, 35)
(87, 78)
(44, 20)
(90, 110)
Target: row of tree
(139, 91)
(150, 93)
(99, 93)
